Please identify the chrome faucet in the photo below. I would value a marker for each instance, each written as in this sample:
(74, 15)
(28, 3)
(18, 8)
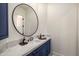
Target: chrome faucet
(23, 42)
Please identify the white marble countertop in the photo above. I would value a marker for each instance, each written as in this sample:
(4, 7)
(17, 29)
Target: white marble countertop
(19, 50)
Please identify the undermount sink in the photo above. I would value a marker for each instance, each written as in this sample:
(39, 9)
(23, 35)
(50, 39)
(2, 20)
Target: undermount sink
(36, 41)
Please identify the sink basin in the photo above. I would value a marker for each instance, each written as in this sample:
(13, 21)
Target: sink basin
(37, 41)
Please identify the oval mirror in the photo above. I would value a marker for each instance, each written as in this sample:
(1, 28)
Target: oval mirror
(25, 20)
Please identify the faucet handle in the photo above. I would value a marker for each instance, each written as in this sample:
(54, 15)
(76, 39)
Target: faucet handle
(31, 38)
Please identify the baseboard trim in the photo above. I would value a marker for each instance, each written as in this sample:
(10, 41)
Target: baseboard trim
(57, 54)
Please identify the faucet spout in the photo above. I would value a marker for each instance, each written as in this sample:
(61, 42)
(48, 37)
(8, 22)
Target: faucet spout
(23, 42)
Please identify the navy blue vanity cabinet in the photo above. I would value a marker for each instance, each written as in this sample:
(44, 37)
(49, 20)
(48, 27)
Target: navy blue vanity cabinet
(43, 50)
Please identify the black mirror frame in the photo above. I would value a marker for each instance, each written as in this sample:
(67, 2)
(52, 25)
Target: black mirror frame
(14, 24)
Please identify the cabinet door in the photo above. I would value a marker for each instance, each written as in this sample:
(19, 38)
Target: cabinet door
(43, 50)
(46, 49)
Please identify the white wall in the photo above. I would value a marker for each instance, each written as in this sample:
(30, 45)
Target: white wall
(78, 29)
(61, 25)
(42, 16)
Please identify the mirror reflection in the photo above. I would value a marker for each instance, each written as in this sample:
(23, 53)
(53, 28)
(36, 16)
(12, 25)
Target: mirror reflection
(25, 20)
